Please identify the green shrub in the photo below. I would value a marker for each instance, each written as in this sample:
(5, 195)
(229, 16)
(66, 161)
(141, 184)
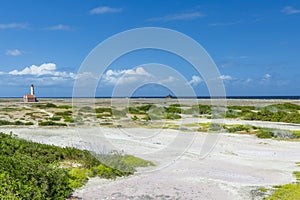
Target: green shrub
(172, 116)
(86, 109)
(10, 109)
(264, 133)
(65, 113)
(77, 177)
(172, 109)
(103, 115)
(64, 107)
(145, 108)
(69, 119)
(102, 110)
(44, 106)
(4, 122)
(134, 118)
(105, 172)
(18, 123)
(55, 118)
(30, 170)
(133, 110)
(51, 123)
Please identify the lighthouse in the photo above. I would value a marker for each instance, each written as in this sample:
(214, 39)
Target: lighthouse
(32, 89)
(30, 97)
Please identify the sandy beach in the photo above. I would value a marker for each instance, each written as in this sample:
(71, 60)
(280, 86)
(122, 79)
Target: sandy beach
(236, 167)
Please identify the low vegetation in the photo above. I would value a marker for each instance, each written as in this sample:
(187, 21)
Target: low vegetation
(288, 191)
(17, 123)
(31, 170)
(286, 112)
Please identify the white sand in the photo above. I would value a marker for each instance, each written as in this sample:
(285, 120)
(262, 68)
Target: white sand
(237, 165)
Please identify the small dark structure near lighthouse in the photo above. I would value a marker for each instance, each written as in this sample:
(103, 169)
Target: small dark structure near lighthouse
(30, 97)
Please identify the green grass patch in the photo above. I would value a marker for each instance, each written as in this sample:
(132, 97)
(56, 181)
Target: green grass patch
(297, 174)
(136, 162)
(286, 192)
(296, 134)
(262, 189)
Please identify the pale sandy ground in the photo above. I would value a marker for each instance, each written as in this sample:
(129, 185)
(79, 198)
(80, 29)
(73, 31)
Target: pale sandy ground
(234, 169)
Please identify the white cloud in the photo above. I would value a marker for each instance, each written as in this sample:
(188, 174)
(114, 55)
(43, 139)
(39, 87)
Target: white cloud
(225, 77)
(44, 69)
(14, 52)
(170, 79)
(13, 26)
(289, 10)
(59, 27)
(104, 9)
(195, 80)
(181, 16)
(126, 76)
(266, 77)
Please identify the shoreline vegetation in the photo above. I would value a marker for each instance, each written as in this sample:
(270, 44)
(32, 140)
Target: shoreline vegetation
(145, 113)
(30, 170)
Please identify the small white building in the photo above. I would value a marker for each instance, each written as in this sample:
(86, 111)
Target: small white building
(30, 97)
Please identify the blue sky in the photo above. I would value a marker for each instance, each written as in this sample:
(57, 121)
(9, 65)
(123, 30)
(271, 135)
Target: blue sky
(255, 44)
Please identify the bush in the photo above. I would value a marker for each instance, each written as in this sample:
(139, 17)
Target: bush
(64, 107)
(4, 122)
(77, 177)
(55, 118)
(102, 110)
(65, 113)
(51, 123)
(172, 109)
(68, 119)
(172, 116)
(30, 170)
(86, 109)
(264, 133)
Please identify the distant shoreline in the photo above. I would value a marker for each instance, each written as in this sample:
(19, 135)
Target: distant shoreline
(160, 97)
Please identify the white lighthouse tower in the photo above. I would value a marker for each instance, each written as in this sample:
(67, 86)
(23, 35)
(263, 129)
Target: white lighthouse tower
(32, 89)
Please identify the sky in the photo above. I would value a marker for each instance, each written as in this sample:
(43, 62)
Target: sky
(254, 44)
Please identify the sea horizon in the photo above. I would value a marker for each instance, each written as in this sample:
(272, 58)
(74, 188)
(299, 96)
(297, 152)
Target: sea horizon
(174, 97)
